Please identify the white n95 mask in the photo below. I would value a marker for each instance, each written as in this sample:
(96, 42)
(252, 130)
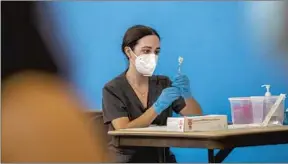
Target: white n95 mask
(146, 63)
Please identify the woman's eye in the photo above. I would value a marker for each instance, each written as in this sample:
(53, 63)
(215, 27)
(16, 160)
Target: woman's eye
(146, 51)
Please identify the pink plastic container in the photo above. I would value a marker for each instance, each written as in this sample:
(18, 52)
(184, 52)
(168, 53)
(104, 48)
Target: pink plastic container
(258, 108)
(241, 110)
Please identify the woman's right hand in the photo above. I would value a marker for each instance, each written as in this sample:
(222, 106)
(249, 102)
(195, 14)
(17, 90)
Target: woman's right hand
(167, 97)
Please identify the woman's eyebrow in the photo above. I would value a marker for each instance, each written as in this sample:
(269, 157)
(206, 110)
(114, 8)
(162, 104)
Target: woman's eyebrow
(147, 47)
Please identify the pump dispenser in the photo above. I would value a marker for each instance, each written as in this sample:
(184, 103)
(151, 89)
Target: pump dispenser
(268, 93)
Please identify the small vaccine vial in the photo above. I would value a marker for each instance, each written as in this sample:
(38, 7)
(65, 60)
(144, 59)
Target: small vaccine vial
(180, 61)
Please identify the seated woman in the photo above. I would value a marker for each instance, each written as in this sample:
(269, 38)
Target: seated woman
(137, 98)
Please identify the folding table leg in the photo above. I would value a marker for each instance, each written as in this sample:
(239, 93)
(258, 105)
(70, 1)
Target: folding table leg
(219, 157)
(211, 157)
(162, 155)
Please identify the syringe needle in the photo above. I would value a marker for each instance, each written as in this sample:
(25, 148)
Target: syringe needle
(180, 61)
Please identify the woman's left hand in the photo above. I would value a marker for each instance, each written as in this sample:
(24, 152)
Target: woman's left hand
(182, 82)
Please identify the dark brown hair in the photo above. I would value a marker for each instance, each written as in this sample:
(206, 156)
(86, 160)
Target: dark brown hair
(135, 33)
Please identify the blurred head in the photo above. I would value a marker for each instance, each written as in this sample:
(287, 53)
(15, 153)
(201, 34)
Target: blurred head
(140, 41)
(32, 93)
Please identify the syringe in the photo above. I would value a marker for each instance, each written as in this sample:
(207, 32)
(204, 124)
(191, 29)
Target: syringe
(180, 61)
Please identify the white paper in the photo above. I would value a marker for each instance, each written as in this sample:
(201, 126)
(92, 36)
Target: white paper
(150, 128)
(240, 126)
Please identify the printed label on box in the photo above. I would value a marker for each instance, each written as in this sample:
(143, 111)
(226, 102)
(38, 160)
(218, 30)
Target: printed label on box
(190, 124)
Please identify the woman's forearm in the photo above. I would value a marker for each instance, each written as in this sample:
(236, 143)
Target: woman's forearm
(144, 120)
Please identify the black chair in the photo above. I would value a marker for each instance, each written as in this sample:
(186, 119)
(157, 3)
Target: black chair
(96, 118)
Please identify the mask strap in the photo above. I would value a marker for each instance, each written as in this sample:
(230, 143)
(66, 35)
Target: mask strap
(133, 52)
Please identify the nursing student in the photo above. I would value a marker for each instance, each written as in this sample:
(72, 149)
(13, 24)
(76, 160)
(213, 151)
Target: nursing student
(137, 98)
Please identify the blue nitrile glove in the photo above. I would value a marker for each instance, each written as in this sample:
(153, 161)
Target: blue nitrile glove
(182, 82)
(167, 97)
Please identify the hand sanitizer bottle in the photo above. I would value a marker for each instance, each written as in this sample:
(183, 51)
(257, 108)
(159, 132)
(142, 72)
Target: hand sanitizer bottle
(268, 93)
(268, 103)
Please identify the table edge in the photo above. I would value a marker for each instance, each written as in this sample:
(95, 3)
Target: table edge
(211, 134)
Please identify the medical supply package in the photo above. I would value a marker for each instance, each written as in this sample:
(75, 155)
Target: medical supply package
(197, 123)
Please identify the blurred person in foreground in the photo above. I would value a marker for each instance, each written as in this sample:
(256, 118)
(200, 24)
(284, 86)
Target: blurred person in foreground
(42, 118)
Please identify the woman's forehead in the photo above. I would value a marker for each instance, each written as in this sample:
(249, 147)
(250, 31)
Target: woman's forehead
(150, 41)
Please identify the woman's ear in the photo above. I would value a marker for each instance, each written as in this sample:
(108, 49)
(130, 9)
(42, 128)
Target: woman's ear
(128, 51)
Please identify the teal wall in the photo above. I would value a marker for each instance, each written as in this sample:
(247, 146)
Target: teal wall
(220, 57)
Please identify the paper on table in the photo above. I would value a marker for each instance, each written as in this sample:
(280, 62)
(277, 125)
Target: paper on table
(150, 128)
(240, 126)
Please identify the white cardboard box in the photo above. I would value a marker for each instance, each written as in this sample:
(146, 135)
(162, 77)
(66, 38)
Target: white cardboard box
(197, 123)
(175, 124)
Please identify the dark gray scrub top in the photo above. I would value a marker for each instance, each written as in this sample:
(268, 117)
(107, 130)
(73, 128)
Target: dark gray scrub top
(120, 100)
